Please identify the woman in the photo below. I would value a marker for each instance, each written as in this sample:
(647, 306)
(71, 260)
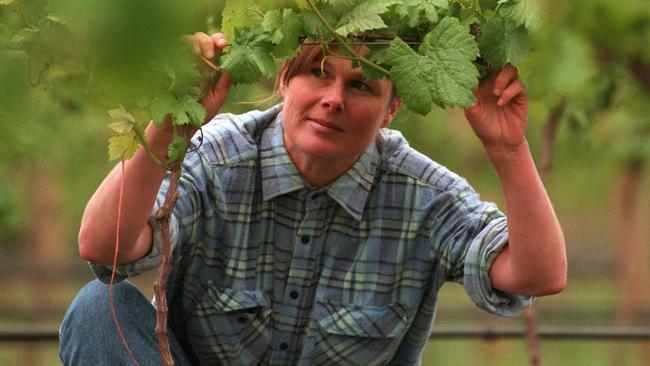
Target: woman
(311, 234)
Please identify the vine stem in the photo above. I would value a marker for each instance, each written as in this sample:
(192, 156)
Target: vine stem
(162, 216)
(112, 281)
(147, 149)
(343, 43)
(160, 286)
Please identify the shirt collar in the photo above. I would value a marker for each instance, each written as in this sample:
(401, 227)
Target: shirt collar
(351, 190)
(280, 176)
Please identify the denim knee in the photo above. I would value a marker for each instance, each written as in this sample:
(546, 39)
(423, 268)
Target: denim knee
(88, 333)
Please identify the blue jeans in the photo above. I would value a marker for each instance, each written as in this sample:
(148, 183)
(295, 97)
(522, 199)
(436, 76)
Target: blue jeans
(88, 335)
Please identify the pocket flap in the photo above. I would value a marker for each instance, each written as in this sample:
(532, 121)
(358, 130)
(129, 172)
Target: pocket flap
(229, 300)
(361, 320)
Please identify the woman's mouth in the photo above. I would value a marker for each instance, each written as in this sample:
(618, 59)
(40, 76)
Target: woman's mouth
(323, 125)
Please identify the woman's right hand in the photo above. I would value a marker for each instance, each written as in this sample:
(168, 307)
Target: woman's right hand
(216, 89)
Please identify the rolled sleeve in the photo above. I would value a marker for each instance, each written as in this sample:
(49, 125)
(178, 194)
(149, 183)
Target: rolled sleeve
(144, 264)
(481, 254)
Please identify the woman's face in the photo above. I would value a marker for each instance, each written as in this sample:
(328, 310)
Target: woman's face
(332, 113)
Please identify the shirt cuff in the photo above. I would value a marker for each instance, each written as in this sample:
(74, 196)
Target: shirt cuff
(144, 264)
(482, 253)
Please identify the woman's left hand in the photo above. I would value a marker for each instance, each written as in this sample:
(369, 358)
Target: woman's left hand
(500, 116)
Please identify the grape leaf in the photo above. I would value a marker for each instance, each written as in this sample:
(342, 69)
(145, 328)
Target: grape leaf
(341, 6)
(122, 146)
(285, 29)
(414, 11)
(441, 71)
(237, 14)
(313, 27)
(488, 4)
(248, 59)
(272, 24)
(292, 26)
(302, 4)
(430, 9)
(365, 16)
(378, 56)
(161, 105)
(188, 110)
(408, 12)
(123, 121)
(503, 42)
(176, 150)
(411, 74)
(520, 12)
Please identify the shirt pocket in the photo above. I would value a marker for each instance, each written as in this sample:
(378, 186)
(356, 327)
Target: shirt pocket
(349, 334)
(231, 326)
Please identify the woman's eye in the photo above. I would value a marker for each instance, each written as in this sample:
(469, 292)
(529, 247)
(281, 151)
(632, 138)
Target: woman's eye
(360, 85)
(318, 72)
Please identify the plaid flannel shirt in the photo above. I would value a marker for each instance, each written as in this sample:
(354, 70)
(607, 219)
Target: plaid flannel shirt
(268, 270)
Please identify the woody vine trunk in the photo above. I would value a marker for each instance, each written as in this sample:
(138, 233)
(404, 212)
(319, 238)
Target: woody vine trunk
(160, 286)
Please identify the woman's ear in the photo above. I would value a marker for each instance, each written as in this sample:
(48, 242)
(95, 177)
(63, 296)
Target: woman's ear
(392, 111)
(282, 86)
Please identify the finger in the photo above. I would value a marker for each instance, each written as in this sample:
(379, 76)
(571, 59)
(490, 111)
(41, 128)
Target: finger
(206, 44)
(193, 40)
(220, 40)
(504, 78)
(513, 90)
(189, 39)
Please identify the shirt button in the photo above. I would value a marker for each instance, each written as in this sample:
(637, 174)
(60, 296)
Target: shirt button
(284, 346)
(293, 294)
(305, 239)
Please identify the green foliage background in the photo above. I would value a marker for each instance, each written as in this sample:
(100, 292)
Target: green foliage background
(588, 54)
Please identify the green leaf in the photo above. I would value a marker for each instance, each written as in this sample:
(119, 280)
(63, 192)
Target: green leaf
(188, 110)
(441, 72)
(7, 2)
(292, 29)
(430, 9)
(248, 59)
(503, 42)
(488, 4)
(302, 4)
(411, 74)
(122, 146)
(413, 12)
(122, 121)
(272, 24)
(520, 12)
(408, 12)
(341, 6)
(176, 150)
(378, 56)
(313, 27)
(365, 16)
(285, 29)
(238, 14)
(161, 105)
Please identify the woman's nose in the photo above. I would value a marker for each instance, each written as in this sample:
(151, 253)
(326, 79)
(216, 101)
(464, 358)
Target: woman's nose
(332, 98)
